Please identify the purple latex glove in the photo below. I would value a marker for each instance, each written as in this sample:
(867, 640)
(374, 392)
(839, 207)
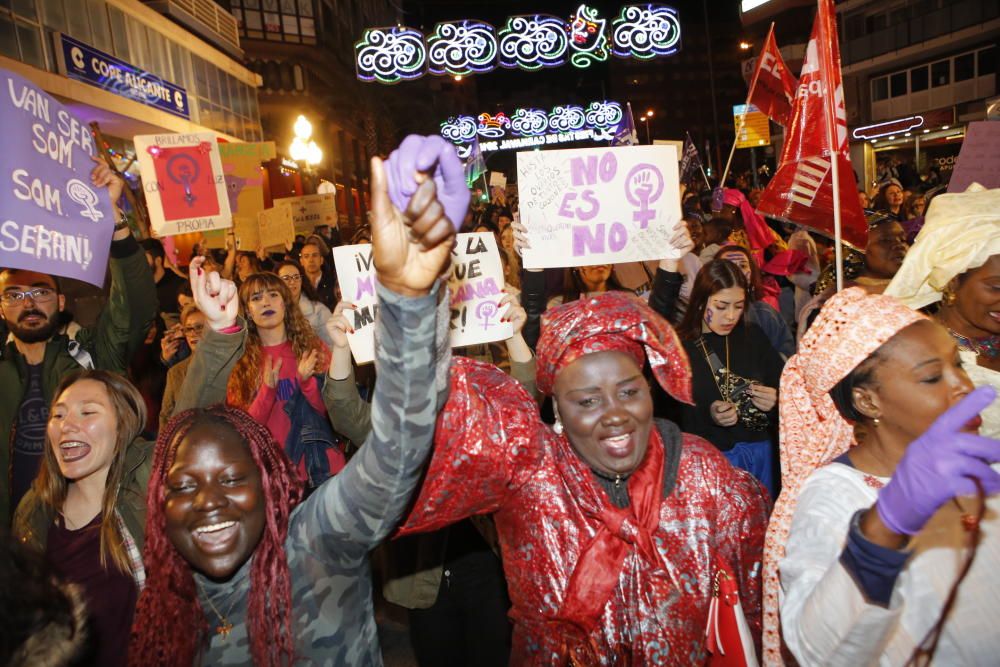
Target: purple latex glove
(418, 153)
(938, 466)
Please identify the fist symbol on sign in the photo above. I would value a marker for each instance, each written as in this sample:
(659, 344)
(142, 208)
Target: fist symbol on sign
(643, 186)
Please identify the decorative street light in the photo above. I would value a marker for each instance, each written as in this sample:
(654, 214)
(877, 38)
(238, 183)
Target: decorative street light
(646, 119)
(302, 148)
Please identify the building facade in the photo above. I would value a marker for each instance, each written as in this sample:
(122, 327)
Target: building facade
(133, 69)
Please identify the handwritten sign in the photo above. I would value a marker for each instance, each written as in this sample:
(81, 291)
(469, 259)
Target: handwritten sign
(308, 211)
(184, 182)
(275, 228)
(356, 274)
(247, 231)
(244, 176)
(51, 217)
(979, 160)
(476, 287)
(589, 206)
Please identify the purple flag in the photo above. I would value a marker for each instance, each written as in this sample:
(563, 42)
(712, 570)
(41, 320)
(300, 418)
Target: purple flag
(52, 218)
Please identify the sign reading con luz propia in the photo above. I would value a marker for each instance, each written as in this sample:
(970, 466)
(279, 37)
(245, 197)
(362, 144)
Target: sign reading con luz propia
(529, 42)
(529, 127)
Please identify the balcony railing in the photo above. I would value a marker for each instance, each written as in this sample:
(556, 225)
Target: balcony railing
(205, 18)
(954, 17)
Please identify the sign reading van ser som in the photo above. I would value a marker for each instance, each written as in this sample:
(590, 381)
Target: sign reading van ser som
(85, 63)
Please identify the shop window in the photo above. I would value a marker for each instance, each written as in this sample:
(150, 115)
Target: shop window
(99, 25)
(965, 67)
(941, 73)
(305, 7)
(987, 61)
(30, 40)
(8, 38)
(79, 26)
(880, 89)
(25, 9)
(919, 79)
(53, 14)
(118, 35)
(897, 84)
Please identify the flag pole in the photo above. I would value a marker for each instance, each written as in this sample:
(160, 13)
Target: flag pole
(700, 165)
(826, 73)
(742, 119)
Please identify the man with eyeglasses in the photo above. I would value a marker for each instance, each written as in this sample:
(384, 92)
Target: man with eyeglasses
(318, 275)
(38, 353)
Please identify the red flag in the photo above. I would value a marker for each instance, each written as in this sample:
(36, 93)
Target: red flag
(772, 87)
(802, 188)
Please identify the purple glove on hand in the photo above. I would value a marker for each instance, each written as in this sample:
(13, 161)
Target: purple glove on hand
(938, 466)
(418, 153)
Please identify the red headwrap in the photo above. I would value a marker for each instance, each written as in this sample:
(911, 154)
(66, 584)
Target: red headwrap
(613, 321)
(758, 233)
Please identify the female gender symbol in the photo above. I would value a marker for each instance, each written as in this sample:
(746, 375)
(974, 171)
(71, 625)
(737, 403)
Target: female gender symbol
(485, 311)
(184, 170)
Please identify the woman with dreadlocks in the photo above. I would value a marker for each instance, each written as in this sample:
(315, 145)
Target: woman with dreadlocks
(871, 534)
(238, 569)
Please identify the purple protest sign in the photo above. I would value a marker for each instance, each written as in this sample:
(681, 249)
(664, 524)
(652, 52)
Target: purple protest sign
(52, 218)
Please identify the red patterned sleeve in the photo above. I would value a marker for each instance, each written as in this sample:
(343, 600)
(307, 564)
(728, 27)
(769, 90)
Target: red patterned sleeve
(486, 446)
(742, 523)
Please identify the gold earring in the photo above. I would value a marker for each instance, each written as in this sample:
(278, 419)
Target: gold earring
(875, 421)
(949, 297)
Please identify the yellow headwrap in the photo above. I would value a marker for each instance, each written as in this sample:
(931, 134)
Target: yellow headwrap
(961, 232)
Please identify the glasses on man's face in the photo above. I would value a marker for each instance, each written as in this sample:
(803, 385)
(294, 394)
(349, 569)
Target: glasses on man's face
(36, 294)
(292, 278)
(193, 330)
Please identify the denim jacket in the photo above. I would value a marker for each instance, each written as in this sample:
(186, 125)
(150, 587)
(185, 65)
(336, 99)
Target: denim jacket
(310, 437)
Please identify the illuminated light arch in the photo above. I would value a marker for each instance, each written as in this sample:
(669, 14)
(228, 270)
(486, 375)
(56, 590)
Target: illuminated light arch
(529, 42)
(493, 127)
(567, 118)
(587, 39)
(604, 115)
(459, 129)
(532, 42)
(529, 122)
(645, 32)
(390, 55)
(462, 47)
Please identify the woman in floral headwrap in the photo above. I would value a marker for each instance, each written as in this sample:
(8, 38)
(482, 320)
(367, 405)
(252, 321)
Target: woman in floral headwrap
(867, 536)
(611, 522)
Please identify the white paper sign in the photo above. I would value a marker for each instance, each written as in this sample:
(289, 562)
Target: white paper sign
(184, 183)
(589, 206)
(498, 179)
(476, 287)
(356, 274)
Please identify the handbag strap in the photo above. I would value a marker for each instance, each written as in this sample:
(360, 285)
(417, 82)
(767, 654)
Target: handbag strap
(710, 356)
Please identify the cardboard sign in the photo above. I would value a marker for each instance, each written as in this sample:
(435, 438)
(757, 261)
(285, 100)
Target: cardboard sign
(184, 183)
(308, 211)
(979, 160)
(476, 287)
(275, 228)
(589, 206)
(498, 180)
(247, 232)
(52, 218)
(244, 175)
(356, 274)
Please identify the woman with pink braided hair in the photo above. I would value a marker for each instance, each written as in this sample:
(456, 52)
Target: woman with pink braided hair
(880, 452)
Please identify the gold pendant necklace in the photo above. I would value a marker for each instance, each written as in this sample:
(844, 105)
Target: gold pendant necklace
(224, 627)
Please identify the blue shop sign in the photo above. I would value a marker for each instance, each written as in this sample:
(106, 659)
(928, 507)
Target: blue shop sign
(85, 63)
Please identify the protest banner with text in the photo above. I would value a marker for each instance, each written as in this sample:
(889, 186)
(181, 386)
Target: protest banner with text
(52, 218)
(356, 275)
(589, 206)
(476, 287)
(184, 183)
(308, 211)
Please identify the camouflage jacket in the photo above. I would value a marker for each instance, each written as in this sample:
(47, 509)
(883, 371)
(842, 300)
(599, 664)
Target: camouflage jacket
(332, 532)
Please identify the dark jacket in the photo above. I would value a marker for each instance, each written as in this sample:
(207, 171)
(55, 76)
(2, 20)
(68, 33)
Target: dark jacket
(120, 330)
(309, 437)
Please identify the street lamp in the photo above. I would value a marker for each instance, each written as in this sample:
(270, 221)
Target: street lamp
(302, 148)
(745, 45)
(644, 120)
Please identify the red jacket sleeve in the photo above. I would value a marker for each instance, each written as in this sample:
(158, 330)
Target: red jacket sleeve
(486, 444)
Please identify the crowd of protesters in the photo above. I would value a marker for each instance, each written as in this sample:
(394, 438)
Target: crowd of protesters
(206, 477)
